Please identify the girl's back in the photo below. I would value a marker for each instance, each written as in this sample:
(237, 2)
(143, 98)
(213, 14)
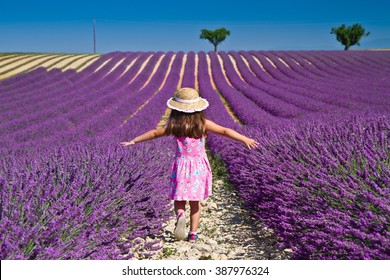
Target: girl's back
(190, 147)
(191, 177)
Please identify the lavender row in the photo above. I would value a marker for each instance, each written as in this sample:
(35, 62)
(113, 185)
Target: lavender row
(246, 110)
(327, 90)
(48, 81)
(259, 177)
(319, 75)
(217, 110)
(297, 96)
(362, 88)
(82, 202)
(50, 88)
(79, 107)
(189, 71)
(332, 89)
(81, 80)
(27, 83)
(331, 66)
(70, 121)
(92, 73)
(290, 81)
(20, 80)
(123, 101)
(322, 186)
(351, 65)
(264, 100)
(92, 187)
(155, 109)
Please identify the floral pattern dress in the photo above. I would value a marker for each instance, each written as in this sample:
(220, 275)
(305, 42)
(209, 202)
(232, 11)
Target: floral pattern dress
(191, 177)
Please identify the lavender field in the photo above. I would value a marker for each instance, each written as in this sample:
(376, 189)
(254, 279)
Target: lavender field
(320, 176)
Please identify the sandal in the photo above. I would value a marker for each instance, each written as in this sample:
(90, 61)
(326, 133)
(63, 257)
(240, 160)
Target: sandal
(192, 237)
(180, 227)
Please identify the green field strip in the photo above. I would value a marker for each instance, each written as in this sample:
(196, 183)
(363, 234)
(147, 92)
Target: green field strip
(65, 61)
(18, 53)
(13, 60)
(6, 57)
(37, 65)
(72, 61)
(86, 63)
(34, 58)
(60, 58)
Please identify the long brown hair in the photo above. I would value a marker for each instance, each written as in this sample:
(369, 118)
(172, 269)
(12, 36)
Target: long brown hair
(182, 124)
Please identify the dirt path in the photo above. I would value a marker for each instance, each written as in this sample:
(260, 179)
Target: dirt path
(227, 231)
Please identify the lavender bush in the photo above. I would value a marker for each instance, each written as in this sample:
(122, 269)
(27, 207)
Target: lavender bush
(76, 195)
(321, 180)
(81, 202)
(323, 187)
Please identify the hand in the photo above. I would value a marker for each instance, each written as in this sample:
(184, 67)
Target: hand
(124, 144)
(250, 143)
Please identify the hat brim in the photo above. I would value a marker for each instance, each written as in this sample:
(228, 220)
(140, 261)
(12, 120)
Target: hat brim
(198, 106)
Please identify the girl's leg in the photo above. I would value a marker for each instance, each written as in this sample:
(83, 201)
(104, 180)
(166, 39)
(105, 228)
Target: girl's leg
(180, 226)
(194, 215)
(180, 207)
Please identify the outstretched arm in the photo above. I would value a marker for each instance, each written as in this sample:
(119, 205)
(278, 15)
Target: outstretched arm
(213, 127)
(151, 134)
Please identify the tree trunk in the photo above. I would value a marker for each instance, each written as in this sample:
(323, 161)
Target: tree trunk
(346, 48)
(215, 48)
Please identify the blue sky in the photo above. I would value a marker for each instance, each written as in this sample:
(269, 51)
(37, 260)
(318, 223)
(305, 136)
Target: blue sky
(67, 26)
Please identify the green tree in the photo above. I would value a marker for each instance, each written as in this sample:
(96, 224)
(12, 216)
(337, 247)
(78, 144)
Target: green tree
(215, 37)
(349, 36)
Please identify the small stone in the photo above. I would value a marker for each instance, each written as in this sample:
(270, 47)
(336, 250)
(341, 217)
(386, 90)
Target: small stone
(223, 257)
(288, 250)
(202, 247)
(219, 183)
(240, 251)
(193, 254)
(204, 203)
(231, 253)
(213, 206)
(220, 239)
(228, 237)
(220, 249)
(183, 249)
(212, 242)
(215, 256)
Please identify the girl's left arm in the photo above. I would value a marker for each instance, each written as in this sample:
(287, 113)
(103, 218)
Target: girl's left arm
(151, 134)
(213, 127)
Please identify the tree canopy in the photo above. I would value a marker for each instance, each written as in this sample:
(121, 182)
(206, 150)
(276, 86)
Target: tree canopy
(349, 36)
(215, 37)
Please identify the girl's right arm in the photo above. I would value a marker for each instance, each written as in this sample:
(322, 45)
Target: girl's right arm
(213, 127)
(151, 134)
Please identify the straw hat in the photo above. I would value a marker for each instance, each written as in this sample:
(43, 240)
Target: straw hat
(187, 100)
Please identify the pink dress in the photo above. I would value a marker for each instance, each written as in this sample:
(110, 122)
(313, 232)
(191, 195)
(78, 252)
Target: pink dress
(191, 178)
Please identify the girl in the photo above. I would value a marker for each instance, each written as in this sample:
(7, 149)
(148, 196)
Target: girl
(191, 174)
